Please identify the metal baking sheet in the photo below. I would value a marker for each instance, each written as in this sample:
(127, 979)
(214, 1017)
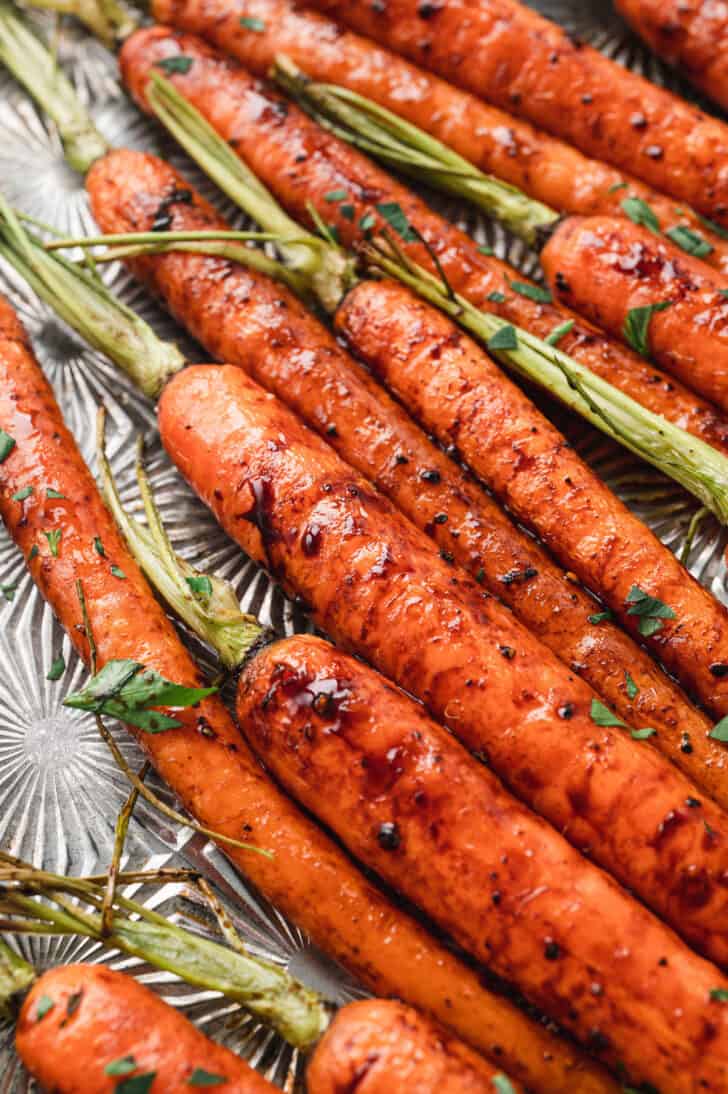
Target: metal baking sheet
(59, 788)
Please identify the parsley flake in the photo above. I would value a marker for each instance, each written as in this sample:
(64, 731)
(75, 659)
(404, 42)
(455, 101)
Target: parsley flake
(505, 338)
(45, 1003)
(336, 195)
(689, 241)
(617, 186)
(347, 211)
(719, 732)
(23, 494)
(719, 995)
(484, 249)
(367, 222)
(394, 215)
(118, 572)
(99, 547)
(637, 326)
(639, 212)
(496, 297)
(137, 1084)
(532, 292)
(632, 689)
(51, 493)
(200, 1077)
(602, 716)
(54, 538)
(179, 64)
(8, 590)
(502, 1084)
(643, 734)
(121, 1066)
(201, 586)
(650, 610)
(57, 669)
(251, 23)
(33, 552)
(7, 444)
(601, 617)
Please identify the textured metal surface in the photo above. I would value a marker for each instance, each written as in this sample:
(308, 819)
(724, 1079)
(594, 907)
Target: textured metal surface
(59, 787)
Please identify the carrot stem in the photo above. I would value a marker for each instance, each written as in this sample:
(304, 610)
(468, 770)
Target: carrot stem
(16, 976)
(33, 66)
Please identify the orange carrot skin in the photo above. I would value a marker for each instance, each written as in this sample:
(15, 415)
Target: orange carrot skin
(376, 585)
(458, 393)
(379, 1046)
(511, 56)
(408, 801)
(99, 1016)
(207, 762)
(593, 266)
(692, 35)
(241, 317)
(498, 143)
(302, 164)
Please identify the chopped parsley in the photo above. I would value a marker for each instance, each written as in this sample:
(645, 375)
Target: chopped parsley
(54, 539)
(336, 195)
(347, 211)
(367, 222)
(643, 734)
(505, 338)
(649, 609)
(639, 212)
(719, 995)
(502, 1084)
(45, 1004)
(617, 186)
(7, 444)
(632, 689)
(484, 249)
(532, 292)
(251, 23)
(124, 1065)
(558, 333)
(23, 494)
(602, 716)
(51, 493)
(496, 297)
(637, 326)
(601, 617)
(201, 586)
(33, 552)
(200, 1077)
(118, 572)
(394, 215)
(179, 64)
(689, 241)
(719, 732)
(57, 669)
(99, 547)
(9, 589)
(136, 1084)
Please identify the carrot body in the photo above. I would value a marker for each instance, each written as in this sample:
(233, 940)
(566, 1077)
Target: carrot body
(454, 388)
(382, 1047)
(377, 585)
(593, 268)
(498, 143)
(408, 801)
(207, 762)
(693, 35)
(302, 164)
(511, 56)
(244, 319)
(99, 1017)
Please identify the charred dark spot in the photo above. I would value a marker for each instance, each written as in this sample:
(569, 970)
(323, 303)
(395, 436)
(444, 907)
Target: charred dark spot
(508, 652)
(388, 836)
(430, 475)
(685, 745)
(654, 151)
(551, 950)
(441, 518)
(401, 459)
(598, 1041)
(311, 541)
(561, 283)
(496, 897)
(638, 120)
(692, 803)
(719, 669)
(427, 9)
(447, 556)
(566, 711)
(518, 575)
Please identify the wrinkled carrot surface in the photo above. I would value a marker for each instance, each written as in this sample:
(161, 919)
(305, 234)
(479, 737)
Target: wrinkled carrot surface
(692, 35)
(593, 266)
(242, 318)
(498, 143)
(207, 763)
(513, 57)
(377, 585)
(407, 800)
(78, 1020)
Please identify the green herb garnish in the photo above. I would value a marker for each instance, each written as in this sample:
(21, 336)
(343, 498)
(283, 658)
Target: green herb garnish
(632, 689)
(719, 995)
(601, 617)
(689, 241)
(127, 690)
(639, 212)
(502, 1084)
(558, 333)
(201, 586)
(394, 215)
(200, 1077)
(23, 494)
(719, 732)
(57, 669)
(650, 610)
(99, 547)
(7, 444)
(505, 338)
(33, 552)
(617, 186)
(484, 249)
(637, 326)
(45, 1003)
(51, 493)
(124, 1065)
(532, 292)
(171, 65)
(54, 538)
(118, 572)
(602, 716)
(367, 222)
(137, 1084)
(8, 590)
(643, 734)
(347, 211)
(496, 297)
(336, 195)
(251, 23)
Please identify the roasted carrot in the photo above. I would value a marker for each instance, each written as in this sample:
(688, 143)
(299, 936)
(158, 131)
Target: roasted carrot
(513, 57)
(498, 143)
(373, 581)
(304, 166)
(692, 35)
(86, 1029)
(611, 279)
(382, 1047)
(237, 316)
(207, 763)
(407, 800)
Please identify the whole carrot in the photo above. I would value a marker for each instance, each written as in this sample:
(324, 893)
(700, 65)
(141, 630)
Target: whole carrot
(306, 167)
(86, 1029)
(642, 290)
(408, 801)
(207, 763)
(552, 172)
(375, 583)
(515, 58)
(692, 35)
(245, 319)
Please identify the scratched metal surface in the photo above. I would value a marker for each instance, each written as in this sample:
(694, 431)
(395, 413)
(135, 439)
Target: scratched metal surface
(59, 788)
